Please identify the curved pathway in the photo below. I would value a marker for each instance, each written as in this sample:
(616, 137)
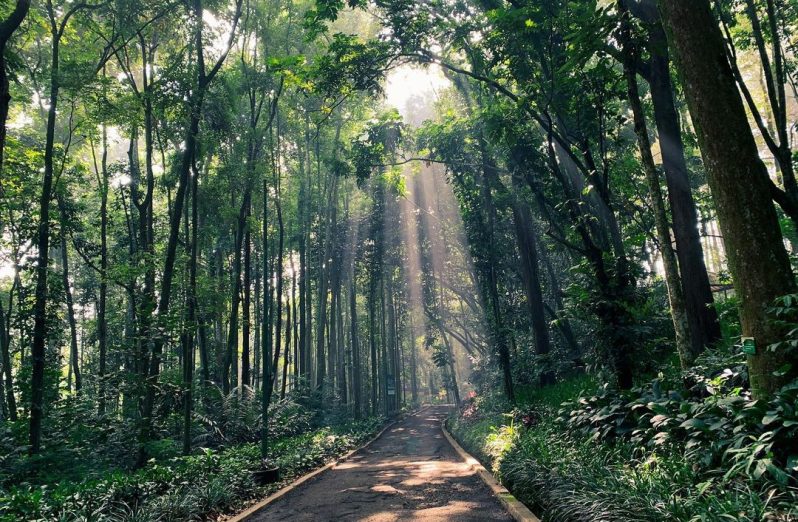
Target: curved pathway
(409, 473)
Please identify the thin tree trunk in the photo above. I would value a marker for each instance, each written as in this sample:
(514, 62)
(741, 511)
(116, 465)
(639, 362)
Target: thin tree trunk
(373, 343)
(246, 321)
(258, 311)
(699, 302)
(43, 257)
(73, 327)
(5, 353)
(341, 351)
(279, 277)
(324, 280)
(190, 328)
(295, 323)
(684, 346)
(230, 368)
(287, 356)
(413, 363)
(353, 339)
(266, 367)
(102, 322)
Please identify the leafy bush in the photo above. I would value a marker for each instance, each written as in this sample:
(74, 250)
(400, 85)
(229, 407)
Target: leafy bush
(659, 452)
(183, 488)
(725, 430)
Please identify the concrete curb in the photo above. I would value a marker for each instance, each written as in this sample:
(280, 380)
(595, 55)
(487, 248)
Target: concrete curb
(244, 515)
(517, 510)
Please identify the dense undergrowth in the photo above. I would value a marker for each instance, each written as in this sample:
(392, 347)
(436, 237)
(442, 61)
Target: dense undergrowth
(690, 447)
(80, 479)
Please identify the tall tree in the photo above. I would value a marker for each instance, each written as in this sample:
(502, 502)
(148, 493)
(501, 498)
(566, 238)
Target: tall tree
(740, 185)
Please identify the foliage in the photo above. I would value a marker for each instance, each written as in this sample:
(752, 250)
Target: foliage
(181, 488)
(652, 453)
(725, 431)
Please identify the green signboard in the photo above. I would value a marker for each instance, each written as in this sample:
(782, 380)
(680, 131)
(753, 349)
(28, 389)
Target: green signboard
(749, 346)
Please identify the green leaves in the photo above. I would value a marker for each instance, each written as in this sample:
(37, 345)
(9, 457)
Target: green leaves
(184, 488)
(350, 64)
(376, 145)
(745, 437)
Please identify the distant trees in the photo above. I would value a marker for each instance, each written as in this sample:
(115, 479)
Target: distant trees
(234, 218)
(550, 78)
(210, 240)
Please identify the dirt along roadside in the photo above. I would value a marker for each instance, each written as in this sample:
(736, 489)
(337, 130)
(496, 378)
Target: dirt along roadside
(410, 473)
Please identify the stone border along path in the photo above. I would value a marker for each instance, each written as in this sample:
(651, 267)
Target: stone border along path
(515, 507)
(412, 470)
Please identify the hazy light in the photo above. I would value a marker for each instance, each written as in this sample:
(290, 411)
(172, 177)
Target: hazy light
(409, 81)
(123, 180)
(221, 31)
(7, 271)
(21, 120)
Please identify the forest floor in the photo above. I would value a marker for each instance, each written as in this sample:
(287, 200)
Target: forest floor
(409, 473)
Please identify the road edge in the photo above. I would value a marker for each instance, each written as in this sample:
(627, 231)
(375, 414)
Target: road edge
(251, 510)
(514, 507)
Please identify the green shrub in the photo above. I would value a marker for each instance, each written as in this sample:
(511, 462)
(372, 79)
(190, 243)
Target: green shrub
(724, 430)
(182, 488)
(658, 452)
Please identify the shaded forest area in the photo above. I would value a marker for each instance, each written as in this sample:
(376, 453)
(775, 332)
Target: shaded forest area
(228, 250)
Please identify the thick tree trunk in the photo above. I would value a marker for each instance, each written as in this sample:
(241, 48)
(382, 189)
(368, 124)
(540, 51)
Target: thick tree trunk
(739, 182)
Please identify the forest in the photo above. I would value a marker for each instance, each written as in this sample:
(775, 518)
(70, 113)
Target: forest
(241, 238)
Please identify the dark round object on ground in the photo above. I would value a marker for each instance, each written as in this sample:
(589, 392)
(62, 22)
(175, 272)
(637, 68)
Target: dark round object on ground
(265, 476)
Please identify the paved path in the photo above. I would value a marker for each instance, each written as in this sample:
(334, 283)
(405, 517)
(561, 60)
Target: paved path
(409, 473)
